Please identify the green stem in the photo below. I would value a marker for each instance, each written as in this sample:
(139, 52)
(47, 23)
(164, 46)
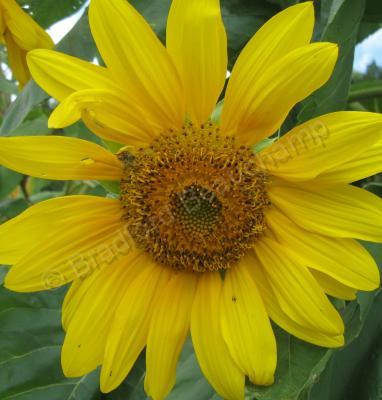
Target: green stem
(365, 93)
(356, 106)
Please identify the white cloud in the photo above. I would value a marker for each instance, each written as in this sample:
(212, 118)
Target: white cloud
(58, 30)
(367, 51)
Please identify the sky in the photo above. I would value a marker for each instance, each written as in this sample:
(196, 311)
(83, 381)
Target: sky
(367, 51)
(61, 28)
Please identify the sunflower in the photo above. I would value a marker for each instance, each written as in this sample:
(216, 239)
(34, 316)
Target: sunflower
(20, 33)
(209, 235)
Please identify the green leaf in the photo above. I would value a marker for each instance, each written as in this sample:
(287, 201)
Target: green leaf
(354, 373)
(374, 187)
(373, 11)
(132, 387)
(365, 90)
(80, 131)
(342, 28)
(113, 187)
(367, 93)
(42, 196)
(47, 12)
(30, 345)
(190, 382)
(37, 126)
(9, 180)
(3, 272)
(242, 19)
(11, 208)
(79, 43)
(299, 365)
(155, 12)
(366, 29)
(28, 99)
(7, 86)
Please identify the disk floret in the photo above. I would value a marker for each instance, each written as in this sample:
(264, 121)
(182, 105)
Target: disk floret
(194, 200)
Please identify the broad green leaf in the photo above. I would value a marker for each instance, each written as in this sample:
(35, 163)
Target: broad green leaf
(113, 187)
(367, 92)
(11, 208)
(342, 28)
(242, 19)
(8, 87)
(28, 99)
(354, 373)
(190, 382)
(78, 42)
(132, 387)
(365, 89)
(37, 185)
(79, 130)
(42, 196)
(283, 3)
(30, 345)
(155, 12)
(299, 365)
(367, 28)
(9, 180)
(3, 272)
(329, 9)
(37, 126)
(47, 12)
(374, 187)
(373, 11)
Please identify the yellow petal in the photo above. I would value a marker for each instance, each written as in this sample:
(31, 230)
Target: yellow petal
(344, 211)
(263, 106)
(128, 332)
(60, 74)
(110, 111)
(87, 331)
(297, 292)
(168, 330)
(282, 319)
(246, 327)
(365, 164)
(21, 34)
(286, 31)
(333, 287)
(17, 60)
(58, 157)
(197, 42)
(74, 296)
(210, 349)
(343, 259)
(25, 31)
(321, 144)
(139, 61)
(48, 218)
(2, 25)
(83, 244)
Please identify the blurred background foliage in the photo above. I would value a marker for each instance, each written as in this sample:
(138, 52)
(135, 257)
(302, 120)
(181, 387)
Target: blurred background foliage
(30, 327)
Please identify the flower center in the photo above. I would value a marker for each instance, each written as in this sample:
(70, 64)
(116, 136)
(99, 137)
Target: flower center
(197, 209)
(194, 200)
